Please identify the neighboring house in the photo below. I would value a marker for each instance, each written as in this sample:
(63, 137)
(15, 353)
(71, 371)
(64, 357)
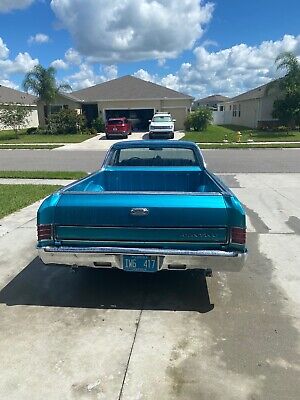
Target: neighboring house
(210, 101)
(128, 97)
(253, 108)
(8, 95)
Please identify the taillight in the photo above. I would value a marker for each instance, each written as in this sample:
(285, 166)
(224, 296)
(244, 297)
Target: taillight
(238, 235)
(45, 232)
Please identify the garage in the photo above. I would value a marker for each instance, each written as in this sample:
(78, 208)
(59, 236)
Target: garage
(129, 97)
(139, 118)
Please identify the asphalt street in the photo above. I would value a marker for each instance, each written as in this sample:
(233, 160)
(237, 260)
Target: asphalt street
(227, 161)
(110, 335)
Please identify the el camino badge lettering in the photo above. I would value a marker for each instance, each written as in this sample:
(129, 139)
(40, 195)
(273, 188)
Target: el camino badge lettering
(198, 236)
(139, 212)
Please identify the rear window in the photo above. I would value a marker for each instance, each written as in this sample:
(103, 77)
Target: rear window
(153, 157)
(115, 122)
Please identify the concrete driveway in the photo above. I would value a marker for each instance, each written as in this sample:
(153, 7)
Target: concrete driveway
(101, 143)
(99, 334)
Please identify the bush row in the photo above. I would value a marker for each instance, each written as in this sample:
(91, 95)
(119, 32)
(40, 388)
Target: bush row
(68, 121)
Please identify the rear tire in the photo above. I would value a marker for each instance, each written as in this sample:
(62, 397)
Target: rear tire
(171, 135)
(125, 136)
(107, 137)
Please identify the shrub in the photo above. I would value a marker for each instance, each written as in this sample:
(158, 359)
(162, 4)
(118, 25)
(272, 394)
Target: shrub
(66, 121)
(282, 128)
(199, 120)
(31, 131)
(92, 131)
(188, 123)
(98, 125)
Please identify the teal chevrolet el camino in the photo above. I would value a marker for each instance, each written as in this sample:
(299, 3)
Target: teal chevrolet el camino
(152, 206)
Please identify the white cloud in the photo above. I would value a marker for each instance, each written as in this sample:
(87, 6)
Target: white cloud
(39, 38)
(87, 77)
(111, 31)
(110, 72)
(145, 75)
(73, 57)
(9, 5)
(8, 83)
(22, 63)
(4, 51)
(230, 71)
(59, 64)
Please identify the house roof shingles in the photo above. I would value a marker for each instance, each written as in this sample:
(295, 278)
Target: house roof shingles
(251, 94)
(213, 98)
(8, 95)
(126, 88)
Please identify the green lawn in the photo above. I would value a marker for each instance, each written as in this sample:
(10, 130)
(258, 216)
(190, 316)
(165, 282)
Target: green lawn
(43, 174)
(15, 197)
(9, 137)
(248, 146)
(27, 147)
(217, 133)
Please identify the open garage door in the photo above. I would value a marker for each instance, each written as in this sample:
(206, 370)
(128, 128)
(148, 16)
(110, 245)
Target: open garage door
(139, 118)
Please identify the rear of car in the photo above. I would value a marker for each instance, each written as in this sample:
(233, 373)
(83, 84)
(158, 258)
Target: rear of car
(117, 127)
(161, 126)
(152, 207)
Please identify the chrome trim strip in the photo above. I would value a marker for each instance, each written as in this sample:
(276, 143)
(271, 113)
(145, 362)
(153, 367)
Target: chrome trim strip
(220, 261)
(143, 251)
(103, 193)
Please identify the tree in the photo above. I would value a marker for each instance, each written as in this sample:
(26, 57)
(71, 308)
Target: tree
(287, 109)
(199, 119)
(41, 82)
(14, 116)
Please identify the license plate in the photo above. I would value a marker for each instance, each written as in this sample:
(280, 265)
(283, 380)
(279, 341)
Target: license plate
(140, 263)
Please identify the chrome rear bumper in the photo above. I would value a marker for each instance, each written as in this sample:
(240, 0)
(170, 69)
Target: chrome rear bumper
(168, 259)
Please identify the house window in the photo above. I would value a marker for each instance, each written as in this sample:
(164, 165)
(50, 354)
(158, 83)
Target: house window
(55, 109)
(229, 108)
(234, 110)
(221, 108)
(239, 110)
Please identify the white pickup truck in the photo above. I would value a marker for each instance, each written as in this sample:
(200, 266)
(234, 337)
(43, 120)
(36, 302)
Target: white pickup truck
(161, 125)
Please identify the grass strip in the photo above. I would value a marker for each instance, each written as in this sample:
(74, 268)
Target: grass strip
(28, 147)
(217, 133)
(10, 137)
(15, 197)
(249, 146)
(42, 174)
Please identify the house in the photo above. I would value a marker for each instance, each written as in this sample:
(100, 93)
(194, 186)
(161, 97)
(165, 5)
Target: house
(210, 101)
(128, 97)
(8, 95)
(253, 108)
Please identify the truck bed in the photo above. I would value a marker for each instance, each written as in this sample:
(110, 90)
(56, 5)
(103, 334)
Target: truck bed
(189, 180)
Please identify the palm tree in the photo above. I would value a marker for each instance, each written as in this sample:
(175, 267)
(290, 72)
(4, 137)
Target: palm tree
(41, 82)
(287, 109)
(290, 82)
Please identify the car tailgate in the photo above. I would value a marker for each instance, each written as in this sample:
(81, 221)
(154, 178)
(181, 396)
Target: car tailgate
(142, 217)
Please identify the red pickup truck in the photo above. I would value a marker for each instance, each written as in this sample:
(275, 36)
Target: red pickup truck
(116, 127)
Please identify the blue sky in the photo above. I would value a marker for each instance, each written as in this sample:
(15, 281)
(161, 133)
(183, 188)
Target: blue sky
(197, 47)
